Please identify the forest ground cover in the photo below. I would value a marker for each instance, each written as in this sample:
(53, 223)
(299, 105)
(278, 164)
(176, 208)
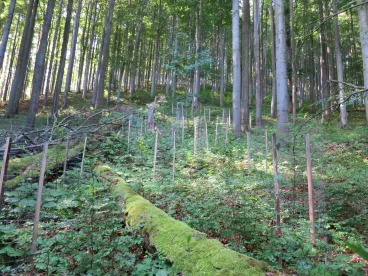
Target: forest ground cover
(212, 192)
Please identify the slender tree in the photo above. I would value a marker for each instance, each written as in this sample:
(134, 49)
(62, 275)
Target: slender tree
(257, 61)
(281, 69)
(236, 69)
(39, 66)
(6, 30)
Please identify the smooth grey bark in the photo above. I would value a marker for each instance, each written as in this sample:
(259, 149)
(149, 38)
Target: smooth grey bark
(89, 53)
(273, 61)
(323, 65)
(340, 68)
(174, 76)
(363, 29)
(105, 55)
(39, 66)
(257, 62)
(281, 69)
(155, 58)
(293, 69)
(12, 57)
(196, 83)
(23, 59)
(245, 63)
(84, 44)
(135, 59)
(6, 30)
(60, 74)
(236, 69)
(221, 59)
(52, 54)
(72, 54)
(330, 65)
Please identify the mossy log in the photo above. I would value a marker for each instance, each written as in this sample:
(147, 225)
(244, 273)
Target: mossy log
(29, 166)
(189, 250)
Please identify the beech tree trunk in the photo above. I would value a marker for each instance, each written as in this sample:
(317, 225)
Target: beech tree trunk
(257, 62)
(293, 69)
(196, 84)
(6, 30)
(273, 61)
(105, 55)
(281, 69)
(245, 63)
(39, 67)
(340, 68)
(23, 59)
(72, 54)
(236, 70)
(60, 74)
(363, 28)
(221, 59)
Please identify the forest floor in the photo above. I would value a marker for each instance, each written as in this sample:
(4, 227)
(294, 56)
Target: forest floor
(211, 190)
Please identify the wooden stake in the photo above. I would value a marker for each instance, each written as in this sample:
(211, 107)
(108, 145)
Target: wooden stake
(248, 151)
(84, 154)
(66, 158)
(129, 126)
(155, 156)
(205, 125)
(276, 184)
(195, 136)
(182, 129)
(310, 189)
(250, 121)
(174, 152)
(39, 197)
(4, 169)
(266, 157)
(217, 122)
(226, 132)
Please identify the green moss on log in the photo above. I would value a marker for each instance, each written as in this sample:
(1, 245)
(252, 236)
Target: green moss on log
(189, 250)
(29, 166)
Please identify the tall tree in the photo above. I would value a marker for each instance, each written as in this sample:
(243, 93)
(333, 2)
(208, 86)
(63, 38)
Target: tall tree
(23, 58)
(72, 53)
(60, 74)
(4, 39)
(197, 76)
(155, 58)
(293, 69)
(281, 69)
(236, 69)
(39, 66)
(245, 62)
(340, 68)
(273, 63)
(257, 61)
(105, 54)
(363, 28)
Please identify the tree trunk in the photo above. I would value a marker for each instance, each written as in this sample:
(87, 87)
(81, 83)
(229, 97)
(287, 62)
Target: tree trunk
(105, 55)
(196, 84)
(155, 59)
(90, 50)
(54, 46)
(281, 69)
(135, 59)
(39, 66)
(245, 65)
(222, 56)
(236, 70)
(72, 54)
(257, 61)
(293, 69)
(363, 28)
(6, 30)
(323, 65)
(23, 59)
(340, 68)
(60, 74)
(273, 61)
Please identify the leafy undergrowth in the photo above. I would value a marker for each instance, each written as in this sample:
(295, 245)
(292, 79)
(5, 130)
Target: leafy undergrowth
(214, 193)
(82, 232)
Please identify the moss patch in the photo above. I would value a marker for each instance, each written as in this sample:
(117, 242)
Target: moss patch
(29, 166)
(189, 250)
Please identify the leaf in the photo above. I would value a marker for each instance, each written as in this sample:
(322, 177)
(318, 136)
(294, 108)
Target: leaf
(359, 250)
(11, 252)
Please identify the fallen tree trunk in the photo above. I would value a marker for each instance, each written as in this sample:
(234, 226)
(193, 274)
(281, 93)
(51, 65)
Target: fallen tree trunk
(29, 166)
(189, 250)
